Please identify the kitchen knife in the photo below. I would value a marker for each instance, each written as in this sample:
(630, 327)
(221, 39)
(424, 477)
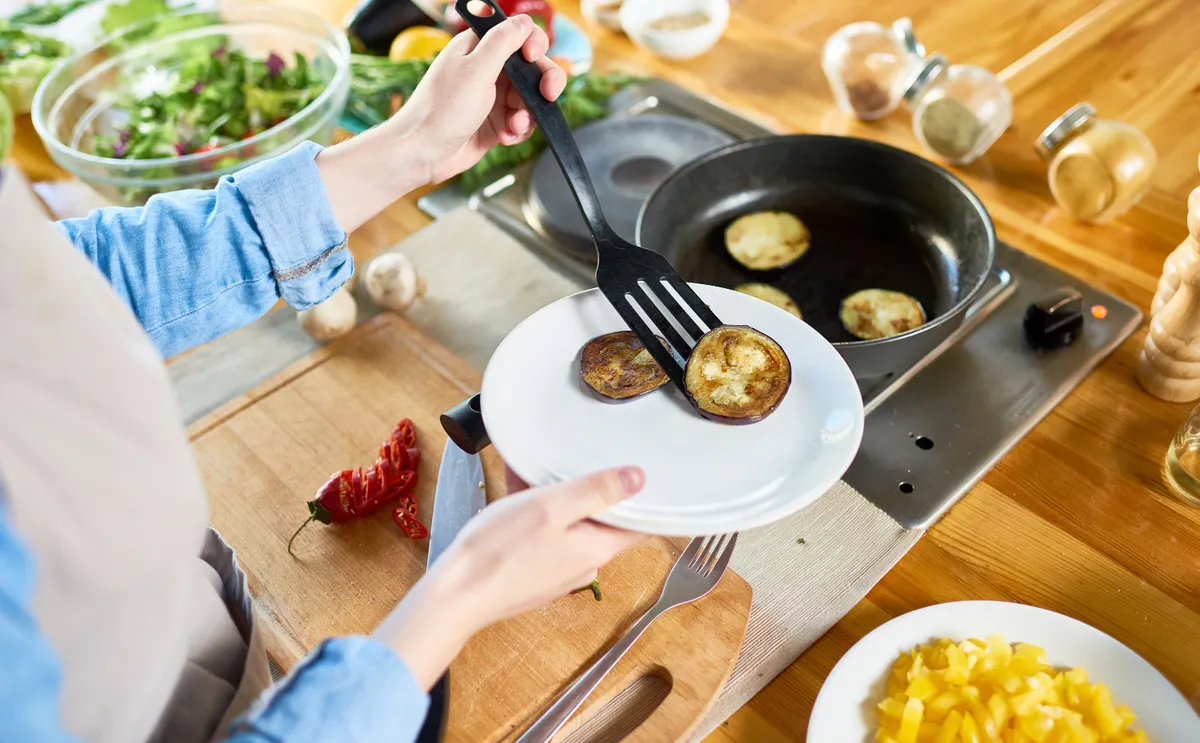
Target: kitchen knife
(459, 495)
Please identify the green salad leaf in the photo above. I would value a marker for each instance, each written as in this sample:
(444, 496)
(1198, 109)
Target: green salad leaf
(25, 59)
(211, 101)
(45, 14)
(150, 19)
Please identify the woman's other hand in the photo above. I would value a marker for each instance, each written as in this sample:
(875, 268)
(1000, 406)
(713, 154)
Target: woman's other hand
(521, 552)
(465, 104)
(463, 107)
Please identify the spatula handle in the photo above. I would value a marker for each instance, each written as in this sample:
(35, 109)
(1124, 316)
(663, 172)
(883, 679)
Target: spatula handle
(527, 79)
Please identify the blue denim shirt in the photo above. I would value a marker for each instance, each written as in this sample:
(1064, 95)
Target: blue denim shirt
(193, 265)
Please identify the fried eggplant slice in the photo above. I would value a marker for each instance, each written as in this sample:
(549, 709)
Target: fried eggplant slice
(617, 366)
(871, 314)
(736, 374)
(768, 293)
(764, 241)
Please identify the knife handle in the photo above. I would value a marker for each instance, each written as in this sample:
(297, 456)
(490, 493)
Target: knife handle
(433, 730)
(463, 423)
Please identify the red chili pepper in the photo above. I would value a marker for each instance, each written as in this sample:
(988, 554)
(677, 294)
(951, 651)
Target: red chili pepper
(204, 148)
(352, 494)
(405, 517)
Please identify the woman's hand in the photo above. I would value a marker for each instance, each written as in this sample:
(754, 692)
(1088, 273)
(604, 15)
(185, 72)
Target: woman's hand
(463, 106)
(521, 552)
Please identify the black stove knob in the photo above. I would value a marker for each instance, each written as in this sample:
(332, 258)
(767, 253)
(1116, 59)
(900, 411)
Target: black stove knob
(1056, 320)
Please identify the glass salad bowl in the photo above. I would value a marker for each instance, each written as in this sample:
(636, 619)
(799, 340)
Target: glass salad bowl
(180, 101)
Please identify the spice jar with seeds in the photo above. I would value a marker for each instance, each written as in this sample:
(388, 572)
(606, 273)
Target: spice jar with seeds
(958, 110)
(1098, 168)
(868, 65)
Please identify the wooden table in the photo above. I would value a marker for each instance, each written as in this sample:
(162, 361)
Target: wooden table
(1077, 517)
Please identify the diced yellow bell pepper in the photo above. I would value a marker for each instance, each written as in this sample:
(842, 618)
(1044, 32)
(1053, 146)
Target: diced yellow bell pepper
(1037, 728)
(1106, 716)
(957, 670)
(922, 687)
(950, 728)
(970, 730)
(940, 705)
(910, 722)
(928, 732)
(987, 691)
(998, 707)
(891, 707)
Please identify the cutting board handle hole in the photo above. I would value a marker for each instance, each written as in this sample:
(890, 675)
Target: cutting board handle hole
(622, 714)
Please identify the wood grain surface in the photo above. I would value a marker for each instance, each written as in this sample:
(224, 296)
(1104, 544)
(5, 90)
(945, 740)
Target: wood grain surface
(264, 454)
(1077, 517)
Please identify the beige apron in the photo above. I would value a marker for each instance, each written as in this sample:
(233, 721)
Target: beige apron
(145, 605)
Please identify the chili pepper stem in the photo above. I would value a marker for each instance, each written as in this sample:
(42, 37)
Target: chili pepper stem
(307, 521)
(594, 587)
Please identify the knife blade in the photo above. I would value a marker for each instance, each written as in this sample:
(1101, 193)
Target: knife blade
(459, 495)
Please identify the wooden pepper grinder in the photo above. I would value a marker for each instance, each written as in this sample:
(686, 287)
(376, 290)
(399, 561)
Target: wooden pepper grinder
(1169, 365)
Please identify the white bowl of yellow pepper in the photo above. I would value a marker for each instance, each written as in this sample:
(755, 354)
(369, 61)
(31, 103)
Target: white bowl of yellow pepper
(675, 29)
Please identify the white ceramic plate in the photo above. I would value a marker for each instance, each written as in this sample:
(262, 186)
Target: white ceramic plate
(845, 707)
(701, 476)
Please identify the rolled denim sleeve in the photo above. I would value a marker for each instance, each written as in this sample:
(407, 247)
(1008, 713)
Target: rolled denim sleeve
(351, 689)
(194, 265)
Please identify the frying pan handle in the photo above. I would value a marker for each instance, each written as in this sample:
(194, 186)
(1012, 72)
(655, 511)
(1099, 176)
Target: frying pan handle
(463, 423)
(527, 79)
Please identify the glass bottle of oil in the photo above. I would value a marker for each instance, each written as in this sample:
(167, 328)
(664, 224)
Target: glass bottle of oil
(1183, 459)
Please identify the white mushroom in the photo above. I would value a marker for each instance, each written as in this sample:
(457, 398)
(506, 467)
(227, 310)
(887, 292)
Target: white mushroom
(393, 283)
(333, 317)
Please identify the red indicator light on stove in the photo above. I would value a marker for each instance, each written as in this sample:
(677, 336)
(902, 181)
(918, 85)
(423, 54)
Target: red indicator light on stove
(1099, 311)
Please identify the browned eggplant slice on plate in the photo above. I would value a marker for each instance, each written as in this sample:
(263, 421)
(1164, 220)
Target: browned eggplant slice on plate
(617, 366)
(880, 313)
(736, 374)
(764, 241)
(770, 294)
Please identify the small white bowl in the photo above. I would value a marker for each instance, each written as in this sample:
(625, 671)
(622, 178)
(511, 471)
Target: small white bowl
(638, 15)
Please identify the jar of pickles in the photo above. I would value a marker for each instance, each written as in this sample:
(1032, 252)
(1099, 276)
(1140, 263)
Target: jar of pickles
(1098, 168)
(868, 64)
(958, 110)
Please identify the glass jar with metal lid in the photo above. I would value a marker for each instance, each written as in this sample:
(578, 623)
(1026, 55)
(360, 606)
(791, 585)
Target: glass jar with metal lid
(958, 111)
(1098, 168)
(868, 64)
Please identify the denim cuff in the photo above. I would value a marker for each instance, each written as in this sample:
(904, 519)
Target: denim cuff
(291, 211)
(350, 689)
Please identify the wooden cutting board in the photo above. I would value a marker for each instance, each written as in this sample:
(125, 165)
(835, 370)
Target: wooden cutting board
(264, 454)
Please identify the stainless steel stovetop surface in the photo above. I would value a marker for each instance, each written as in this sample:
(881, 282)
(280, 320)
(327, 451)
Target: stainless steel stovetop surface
(932, 431)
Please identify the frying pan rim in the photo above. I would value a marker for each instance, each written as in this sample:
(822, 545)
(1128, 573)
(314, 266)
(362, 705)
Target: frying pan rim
(936, 170)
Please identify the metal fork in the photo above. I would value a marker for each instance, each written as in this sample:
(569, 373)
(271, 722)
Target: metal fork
(640, 284)
(696, 572)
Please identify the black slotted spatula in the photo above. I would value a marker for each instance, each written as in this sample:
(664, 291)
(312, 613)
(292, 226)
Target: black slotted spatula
(641, 286)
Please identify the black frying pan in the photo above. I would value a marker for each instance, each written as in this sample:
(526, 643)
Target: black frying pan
(880, 218)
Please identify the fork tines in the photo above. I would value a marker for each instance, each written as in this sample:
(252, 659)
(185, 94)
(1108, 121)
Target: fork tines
(713, 553)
